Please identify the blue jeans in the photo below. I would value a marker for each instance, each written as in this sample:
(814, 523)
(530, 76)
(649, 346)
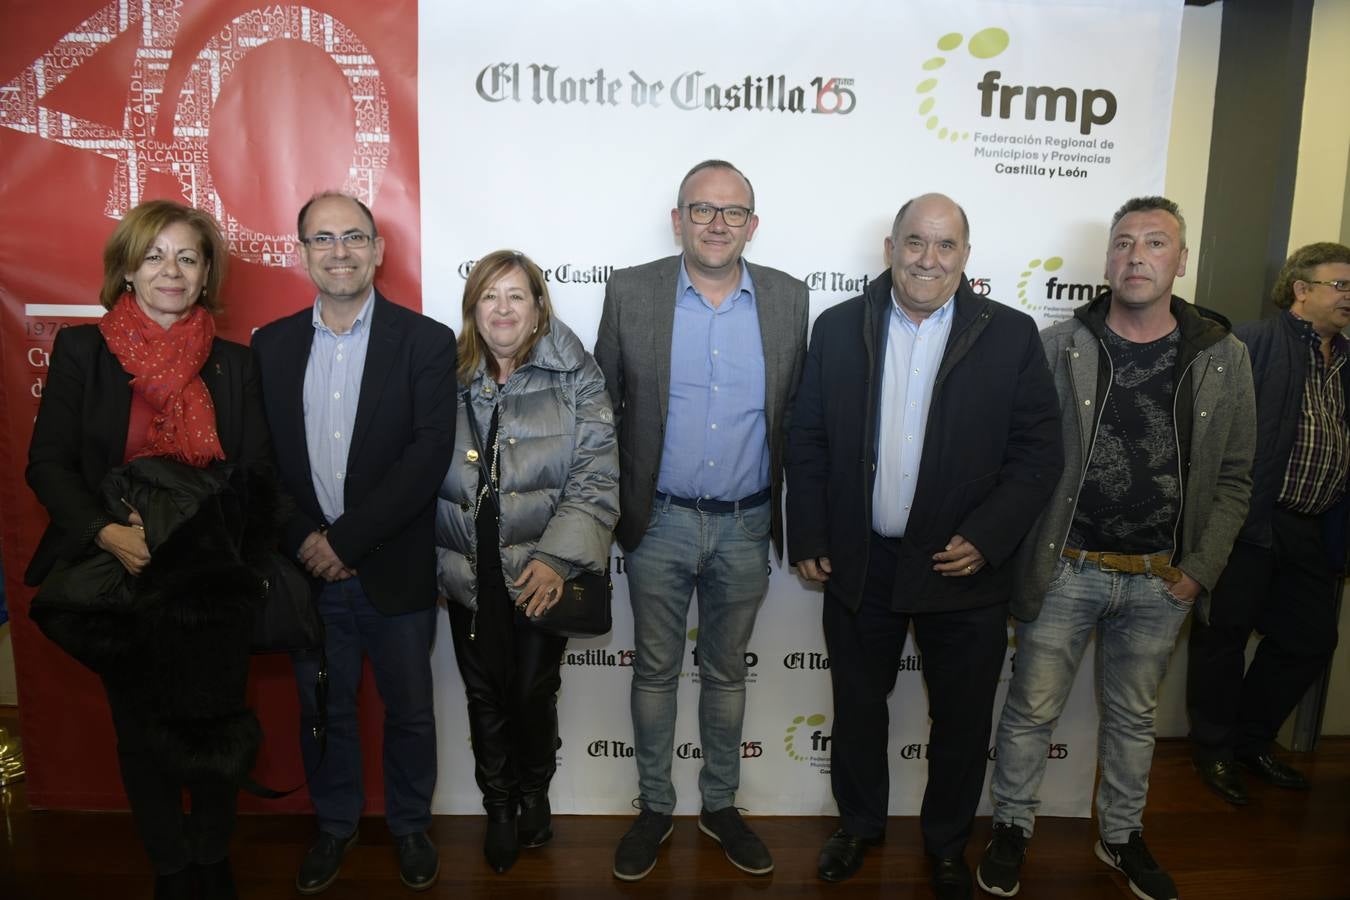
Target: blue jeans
(725, 558)
(399, 648)
(1136, 619)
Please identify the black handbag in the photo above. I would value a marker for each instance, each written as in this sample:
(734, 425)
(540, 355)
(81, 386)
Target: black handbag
(287, 619)
(583, 610)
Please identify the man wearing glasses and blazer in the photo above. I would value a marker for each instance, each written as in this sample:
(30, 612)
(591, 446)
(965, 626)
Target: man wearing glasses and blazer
(360, 399)
(701, 353)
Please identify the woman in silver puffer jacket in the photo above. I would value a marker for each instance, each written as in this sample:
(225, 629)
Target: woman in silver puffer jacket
(545, 432)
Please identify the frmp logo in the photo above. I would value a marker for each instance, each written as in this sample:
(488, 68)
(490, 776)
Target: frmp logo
(984, 44)
(801, 745)
(982, 107)
(1062, 296)
(1098, 106)
(751, 660)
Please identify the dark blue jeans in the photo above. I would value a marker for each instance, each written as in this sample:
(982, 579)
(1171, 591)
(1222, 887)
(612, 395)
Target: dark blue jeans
(399, 648)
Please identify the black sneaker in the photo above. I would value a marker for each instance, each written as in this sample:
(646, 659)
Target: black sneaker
(1132, 859)
(636, 853)
(998, 868)
(746, 851)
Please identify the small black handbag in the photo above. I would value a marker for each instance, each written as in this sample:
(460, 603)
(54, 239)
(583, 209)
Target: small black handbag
(583, 610)
(287, 619)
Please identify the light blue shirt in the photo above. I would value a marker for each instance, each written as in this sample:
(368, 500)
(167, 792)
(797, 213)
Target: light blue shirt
(716, 444)
(332, 389)
(913, 355)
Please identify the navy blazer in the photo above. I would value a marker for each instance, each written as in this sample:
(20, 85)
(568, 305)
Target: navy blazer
(401, 447)
(992, 450)
(81, 433)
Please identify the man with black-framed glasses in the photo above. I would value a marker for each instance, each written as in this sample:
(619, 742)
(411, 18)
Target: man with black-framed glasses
(702, 353)
(360, 399)
(1285, 570)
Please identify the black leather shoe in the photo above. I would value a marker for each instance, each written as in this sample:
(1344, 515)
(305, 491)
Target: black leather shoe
(322, 861)
(842, 855)
(418, 861)
(951, 878)
(1223, 778)
(215, 881)
(534, 826)
(501, 846)
(1270, 769)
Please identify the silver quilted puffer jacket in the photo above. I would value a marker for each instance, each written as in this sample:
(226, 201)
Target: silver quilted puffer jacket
(558, 469)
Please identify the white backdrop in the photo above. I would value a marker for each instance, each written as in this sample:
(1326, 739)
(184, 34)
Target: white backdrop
(570, 137)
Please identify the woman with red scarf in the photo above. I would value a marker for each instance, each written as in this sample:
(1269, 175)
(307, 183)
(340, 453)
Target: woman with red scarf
(151, 379)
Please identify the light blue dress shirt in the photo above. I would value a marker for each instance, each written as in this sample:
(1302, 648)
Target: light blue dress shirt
(716, 444)
(332, 389)
(913, 355)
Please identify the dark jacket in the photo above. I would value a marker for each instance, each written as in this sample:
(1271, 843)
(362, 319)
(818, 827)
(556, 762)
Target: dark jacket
(183, 644)
(991, 451)
(1280, 372)
(81, 433)
(401, 443)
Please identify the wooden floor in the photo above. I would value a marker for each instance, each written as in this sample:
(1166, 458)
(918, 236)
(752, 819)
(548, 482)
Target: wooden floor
(1285, 845)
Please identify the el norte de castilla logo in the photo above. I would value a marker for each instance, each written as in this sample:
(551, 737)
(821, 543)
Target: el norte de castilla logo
(690, 91)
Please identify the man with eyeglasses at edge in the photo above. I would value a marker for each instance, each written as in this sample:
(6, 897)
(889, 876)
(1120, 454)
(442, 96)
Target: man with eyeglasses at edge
(360, 398)
(1285, 569)
(701, 354)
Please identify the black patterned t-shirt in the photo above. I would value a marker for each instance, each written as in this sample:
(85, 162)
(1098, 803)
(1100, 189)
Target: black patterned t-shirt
(1131, 493)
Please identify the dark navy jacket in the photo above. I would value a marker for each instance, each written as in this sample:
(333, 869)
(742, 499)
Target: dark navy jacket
(992, 451)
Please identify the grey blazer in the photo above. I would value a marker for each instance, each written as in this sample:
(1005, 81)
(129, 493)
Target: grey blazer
(633, 349)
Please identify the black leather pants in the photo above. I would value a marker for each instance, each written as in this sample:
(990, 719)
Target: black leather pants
(511, 676)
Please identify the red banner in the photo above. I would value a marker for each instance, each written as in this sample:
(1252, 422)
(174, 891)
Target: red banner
(239, 109)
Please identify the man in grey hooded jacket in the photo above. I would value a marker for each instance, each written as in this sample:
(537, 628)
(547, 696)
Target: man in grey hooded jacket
(1159, 429)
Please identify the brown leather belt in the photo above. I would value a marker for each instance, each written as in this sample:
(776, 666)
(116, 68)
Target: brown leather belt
(1159, 564)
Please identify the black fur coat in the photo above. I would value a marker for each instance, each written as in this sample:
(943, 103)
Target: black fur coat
(178, 634)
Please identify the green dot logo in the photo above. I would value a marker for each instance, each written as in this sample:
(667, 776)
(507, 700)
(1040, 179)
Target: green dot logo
(693, 634)
(1050, 264)
(791, 741)
(984, 44)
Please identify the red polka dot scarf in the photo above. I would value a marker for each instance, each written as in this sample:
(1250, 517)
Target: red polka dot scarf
(165, 369)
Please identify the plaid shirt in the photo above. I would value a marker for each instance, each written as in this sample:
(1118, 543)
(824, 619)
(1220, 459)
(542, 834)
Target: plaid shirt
(1315, 478)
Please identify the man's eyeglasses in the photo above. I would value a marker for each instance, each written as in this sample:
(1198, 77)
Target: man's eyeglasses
(1340, 284)
(354, 240)
(704, 213)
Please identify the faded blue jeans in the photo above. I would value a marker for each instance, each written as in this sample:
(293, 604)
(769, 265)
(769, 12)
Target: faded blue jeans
(724, 558)
(1136, 619)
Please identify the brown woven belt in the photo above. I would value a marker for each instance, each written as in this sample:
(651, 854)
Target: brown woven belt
(1159, 564)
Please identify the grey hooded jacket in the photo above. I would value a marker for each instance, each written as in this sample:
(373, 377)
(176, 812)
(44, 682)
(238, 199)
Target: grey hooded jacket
(558, 469)
(1214, 416)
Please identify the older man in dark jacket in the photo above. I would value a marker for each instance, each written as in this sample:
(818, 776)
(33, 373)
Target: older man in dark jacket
(1283, 575)
(924, 442)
